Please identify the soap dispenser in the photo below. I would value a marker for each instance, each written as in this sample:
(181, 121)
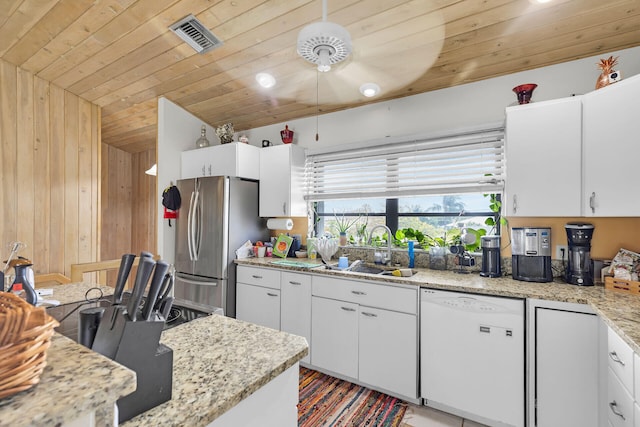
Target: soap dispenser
(411, 254)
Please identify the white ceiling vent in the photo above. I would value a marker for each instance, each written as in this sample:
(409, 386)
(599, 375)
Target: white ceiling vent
(195, 34)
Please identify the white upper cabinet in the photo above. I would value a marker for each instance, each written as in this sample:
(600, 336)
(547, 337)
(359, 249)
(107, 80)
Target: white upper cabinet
(282, 181)
(611, 150)
(543, 157)
(233, 159)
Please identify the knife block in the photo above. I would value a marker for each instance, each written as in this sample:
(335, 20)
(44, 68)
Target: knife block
(136, 346)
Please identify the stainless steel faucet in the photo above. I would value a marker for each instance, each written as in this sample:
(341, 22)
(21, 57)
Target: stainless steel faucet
(387, 257)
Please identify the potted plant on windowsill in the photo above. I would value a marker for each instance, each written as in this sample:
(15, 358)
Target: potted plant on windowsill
(342, 224)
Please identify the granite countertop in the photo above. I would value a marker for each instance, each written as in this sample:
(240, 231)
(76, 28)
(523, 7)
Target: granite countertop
(619, 310)
(217, 362)
(75, 382)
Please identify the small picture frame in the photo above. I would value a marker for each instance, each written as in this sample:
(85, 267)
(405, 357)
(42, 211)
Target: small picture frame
(282, 245)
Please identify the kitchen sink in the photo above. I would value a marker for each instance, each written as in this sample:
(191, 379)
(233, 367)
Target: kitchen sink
(362, 267)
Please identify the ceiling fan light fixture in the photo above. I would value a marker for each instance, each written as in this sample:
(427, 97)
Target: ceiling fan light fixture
(324, 44)
(266, 80)
(369, 89)
(323, 58)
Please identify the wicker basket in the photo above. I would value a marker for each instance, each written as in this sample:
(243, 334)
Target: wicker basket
(25, 336)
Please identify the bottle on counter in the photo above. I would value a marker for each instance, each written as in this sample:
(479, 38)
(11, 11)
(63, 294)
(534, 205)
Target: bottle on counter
(411, 254)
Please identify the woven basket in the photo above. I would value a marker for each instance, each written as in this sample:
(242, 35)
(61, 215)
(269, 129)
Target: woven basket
(25, 336)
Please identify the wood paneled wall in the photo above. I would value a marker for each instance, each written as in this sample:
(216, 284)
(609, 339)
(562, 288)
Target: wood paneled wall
(129, 203)
(50, 168)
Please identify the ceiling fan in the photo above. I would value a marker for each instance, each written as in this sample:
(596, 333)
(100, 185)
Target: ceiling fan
(390, 48)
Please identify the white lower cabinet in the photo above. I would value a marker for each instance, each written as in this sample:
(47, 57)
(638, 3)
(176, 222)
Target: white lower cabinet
(565, 368)
(295, 305)
(357, 332)
(619, 401)
(334, 336)
(258, 304)
(387, 350)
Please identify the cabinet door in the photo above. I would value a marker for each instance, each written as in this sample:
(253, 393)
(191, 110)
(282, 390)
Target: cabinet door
(295, 301)
(259, 305)
(543, 145)
(388, 353)
(281, 181)
(611, 150)
(193, 164)
(566, 361)
(334, 336)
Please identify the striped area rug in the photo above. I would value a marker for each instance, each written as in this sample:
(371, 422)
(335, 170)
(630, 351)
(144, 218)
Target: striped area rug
(328, 401)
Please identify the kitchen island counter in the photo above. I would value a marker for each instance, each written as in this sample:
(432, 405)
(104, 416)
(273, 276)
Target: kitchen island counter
(217, 363)
(75, 383)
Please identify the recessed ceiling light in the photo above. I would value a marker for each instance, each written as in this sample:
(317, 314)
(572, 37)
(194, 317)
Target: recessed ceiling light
(543, 1)
(265, 80)
(369, 89)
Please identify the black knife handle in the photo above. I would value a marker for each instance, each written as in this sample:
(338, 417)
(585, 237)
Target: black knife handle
(164, 290)
(165, 307)
(145, 254)
(123, 275)
(154, 288)
(145, 267)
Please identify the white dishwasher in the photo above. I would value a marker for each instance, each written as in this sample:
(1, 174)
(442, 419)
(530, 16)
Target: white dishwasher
(472, 356)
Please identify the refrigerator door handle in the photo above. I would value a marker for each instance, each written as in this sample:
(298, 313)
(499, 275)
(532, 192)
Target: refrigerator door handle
(196, 282)
(189, 221)
(200, 224)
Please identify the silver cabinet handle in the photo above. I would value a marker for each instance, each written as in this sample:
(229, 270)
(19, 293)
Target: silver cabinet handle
(358, 293)
(592, 202)
(614, 408)
(272, 294)
(210, 170)
(255, 276)
(295, 283)
(614, 356)
(348, 309)
(515, 203)
(203, 170)
(284, 208)
(364, 313)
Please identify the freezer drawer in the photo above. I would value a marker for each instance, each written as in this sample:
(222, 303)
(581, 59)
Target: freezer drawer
(202, 290)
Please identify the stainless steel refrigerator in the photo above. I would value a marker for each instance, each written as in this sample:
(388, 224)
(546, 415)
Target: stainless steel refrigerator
(218, 214)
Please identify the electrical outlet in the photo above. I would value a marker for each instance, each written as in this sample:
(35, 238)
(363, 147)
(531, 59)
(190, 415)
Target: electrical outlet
(560, 250)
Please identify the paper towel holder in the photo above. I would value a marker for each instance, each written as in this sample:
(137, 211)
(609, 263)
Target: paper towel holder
(280, 224)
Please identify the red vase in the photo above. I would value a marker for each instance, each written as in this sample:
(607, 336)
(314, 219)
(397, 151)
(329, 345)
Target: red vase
(524, 92)
(286, 135)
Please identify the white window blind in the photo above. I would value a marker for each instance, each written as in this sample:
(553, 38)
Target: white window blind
(463, 163)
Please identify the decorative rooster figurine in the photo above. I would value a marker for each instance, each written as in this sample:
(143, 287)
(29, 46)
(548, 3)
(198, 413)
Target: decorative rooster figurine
(606, 65)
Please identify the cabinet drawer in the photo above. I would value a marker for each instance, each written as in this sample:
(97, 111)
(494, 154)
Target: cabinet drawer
(620, 359)
(620, 405)
(296, 279)
(369, 294)
(259, 276)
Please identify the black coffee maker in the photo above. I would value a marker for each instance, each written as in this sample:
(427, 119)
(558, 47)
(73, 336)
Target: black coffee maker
(490, 256)
(579, 270)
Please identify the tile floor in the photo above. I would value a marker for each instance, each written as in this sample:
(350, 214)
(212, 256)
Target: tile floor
(422, 416)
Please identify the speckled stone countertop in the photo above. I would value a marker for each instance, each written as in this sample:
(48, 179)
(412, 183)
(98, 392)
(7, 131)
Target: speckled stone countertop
(619, 310)
(217, 362)
(75, 381)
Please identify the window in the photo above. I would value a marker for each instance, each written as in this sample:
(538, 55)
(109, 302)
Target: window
(432, 185)
(434, 216)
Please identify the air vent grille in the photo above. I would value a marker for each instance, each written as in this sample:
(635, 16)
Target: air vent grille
(195, 34)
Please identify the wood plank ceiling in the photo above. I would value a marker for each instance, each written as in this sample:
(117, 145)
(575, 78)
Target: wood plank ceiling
(120, 54)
